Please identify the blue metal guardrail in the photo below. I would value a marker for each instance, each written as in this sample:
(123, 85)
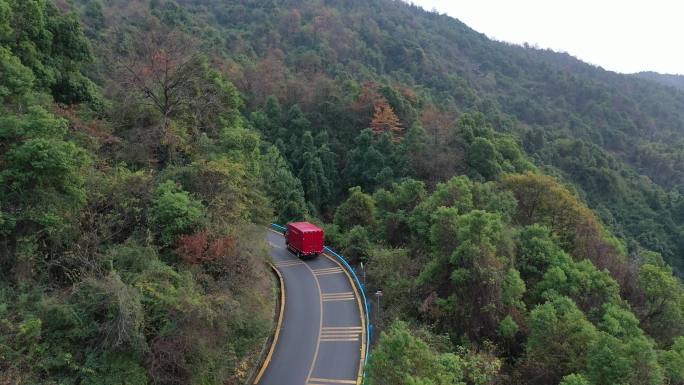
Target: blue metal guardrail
(361, 287)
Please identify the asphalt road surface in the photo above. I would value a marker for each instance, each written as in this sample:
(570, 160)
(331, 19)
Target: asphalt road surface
(322, 331)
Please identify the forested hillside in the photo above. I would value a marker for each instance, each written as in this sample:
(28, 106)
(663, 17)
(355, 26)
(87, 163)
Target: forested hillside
(616, 139)
(666, 79)
(519, 208)
(120, 262)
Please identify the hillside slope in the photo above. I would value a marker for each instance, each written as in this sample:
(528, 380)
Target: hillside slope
(516, 206)
(616, 138)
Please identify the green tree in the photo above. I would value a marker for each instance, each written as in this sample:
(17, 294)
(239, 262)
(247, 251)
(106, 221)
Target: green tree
(268, 121)
(402, 359)
(623, 354)
(581, 281)
(508, 328)
(357, 244)
(445, 222)
(366, 165)
(284, 189)
(175, 212)
(662, 312)
(574, 379)
(394, 209)
(16, 80)
(483, 158)
(38, 161)
(357, 210)
(456, 192)
(513, 290)
(672, 362)
(317, 187)
(41, 179)
(559, 341)
(536, 251)
(473, 274)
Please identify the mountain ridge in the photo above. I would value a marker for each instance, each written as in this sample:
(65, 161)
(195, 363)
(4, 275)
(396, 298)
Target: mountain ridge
(672, 80)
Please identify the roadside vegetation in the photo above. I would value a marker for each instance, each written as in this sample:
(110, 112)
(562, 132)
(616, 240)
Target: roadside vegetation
(522, 211)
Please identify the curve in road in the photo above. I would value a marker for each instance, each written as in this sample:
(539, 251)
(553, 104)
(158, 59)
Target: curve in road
(322, 335)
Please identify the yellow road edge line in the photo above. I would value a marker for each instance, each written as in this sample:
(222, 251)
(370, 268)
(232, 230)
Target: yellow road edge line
(278, 326)
(277, 232)
(320, 327)
(318, 344)
(359, 378)
(334, 381)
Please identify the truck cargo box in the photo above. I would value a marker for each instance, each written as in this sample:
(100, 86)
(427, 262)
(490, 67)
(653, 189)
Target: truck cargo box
(304, 239)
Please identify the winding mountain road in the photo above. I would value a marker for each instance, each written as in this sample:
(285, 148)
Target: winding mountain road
(321, 337)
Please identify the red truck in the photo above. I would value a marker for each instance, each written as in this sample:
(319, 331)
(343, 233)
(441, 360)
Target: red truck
(304, 239)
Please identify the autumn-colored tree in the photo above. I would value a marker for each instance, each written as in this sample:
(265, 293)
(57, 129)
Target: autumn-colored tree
(199, 248)
(541, 199)
(159, 70)
(165, 72)
(386, 121)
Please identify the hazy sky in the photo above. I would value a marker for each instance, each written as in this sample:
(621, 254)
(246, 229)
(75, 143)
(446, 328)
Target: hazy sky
(623, 36)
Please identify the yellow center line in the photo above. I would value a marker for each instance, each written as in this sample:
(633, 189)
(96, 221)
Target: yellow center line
(331, 333)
